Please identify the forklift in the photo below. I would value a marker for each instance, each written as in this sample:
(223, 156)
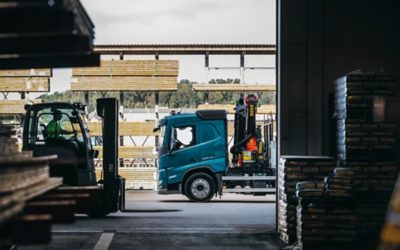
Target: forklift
(60, 129)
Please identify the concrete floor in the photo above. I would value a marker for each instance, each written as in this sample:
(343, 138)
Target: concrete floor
(172, 222)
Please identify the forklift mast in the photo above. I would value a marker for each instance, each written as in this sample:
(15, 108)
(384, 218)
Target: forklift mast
(113, 184)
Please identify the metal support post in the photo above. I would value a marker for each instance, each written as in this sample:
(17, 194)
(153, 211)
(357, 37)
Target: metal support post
(121, 115)
(206, 95)
(242, 68)
(86, 101)
(207, 66)
(156, 107)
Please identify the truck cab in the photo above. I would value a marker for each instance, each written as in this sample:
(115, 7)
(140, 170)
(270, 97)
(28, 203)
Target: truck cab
(194, 158)
(193, 153)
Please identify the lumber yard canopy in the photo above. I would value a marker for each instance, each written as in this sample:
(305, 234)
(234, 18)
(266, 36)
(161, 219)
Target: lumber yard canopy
(185, 49)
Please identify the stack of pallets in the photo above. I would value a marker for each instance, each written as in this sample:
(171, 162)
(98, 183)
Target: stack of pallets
(325, 214)
(293, 169)
(362, 132)
(351, 211)
(366, 144)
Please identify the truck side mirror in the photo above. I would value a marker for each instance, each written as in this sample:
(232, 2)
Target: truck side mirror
(94, 153)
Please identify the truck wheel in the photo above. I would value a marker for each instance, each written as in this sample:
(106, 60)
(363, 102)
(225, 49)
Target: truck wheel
(200, 187)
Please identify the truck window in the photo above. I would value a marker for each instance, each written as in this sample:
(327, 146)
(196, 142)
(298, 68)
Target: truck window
(184, 137)
(208, 132)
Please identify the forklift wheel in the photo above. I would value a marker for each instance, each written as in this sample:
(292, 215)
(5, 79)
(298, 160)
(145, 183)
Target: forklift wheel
(200, 187)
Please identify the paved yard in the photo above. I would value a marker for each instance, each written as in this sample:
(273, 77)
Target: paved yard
(172, 222)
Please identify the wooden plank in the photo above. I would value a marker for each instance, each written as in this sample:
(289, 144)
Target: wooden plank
(130, 68)
(24, 84)
(131, 152)
(25, 176)
(127, 83)
(26, 72)
(126, 129)
(234, 87)
(30, 192)
(263, 109)
(15, 106)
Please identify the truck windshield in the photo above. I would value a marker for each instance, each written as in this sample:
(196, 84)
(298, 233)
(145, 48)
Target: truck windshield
(47, 124)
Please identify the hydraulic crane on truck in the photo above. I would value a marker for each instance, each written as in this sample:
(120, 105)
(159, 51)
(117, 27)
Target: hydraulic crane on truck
(60, 129)
(194, 157)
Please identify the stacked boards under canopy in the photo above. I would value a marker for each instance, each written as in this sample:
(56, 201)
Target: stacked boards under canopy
(231, 87)
(127, 75)
(22, 81)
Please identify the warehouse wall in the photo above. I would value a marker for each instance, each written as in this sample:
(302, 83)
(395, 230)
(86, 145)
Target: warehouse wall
(319, 41)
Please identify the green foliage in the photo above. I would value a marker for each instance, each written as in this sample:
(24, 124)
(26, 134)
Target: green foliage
(184, 97)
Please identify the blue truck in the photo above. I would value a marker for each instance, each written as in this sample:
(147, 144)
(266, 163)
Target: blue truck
(194, 159)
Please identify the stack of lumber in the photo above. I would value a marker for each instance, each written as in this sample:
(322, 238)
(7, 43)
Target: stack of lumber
(135, 178)
(131, 152)
(263, 109)
(126, 128)
(45, 34)
(235, 87)
(294, 169)
(22, 178)
(127, 75)
(25, 80)
(15, 106)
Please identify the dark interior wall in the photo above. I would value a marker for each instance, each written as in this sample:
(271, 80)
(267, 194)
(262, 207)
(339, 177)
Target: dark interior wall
(319, 41)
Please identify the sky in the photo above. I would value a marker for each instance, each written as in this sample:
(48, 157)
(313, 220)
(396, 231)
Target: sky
(181, 22)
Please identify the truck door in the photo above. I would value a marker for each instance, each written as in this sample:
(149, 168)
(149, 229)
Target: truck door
(184, 152)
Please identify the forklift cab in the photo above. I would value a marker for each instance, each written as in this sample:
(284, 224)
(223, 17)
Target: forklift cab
(60, 129)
